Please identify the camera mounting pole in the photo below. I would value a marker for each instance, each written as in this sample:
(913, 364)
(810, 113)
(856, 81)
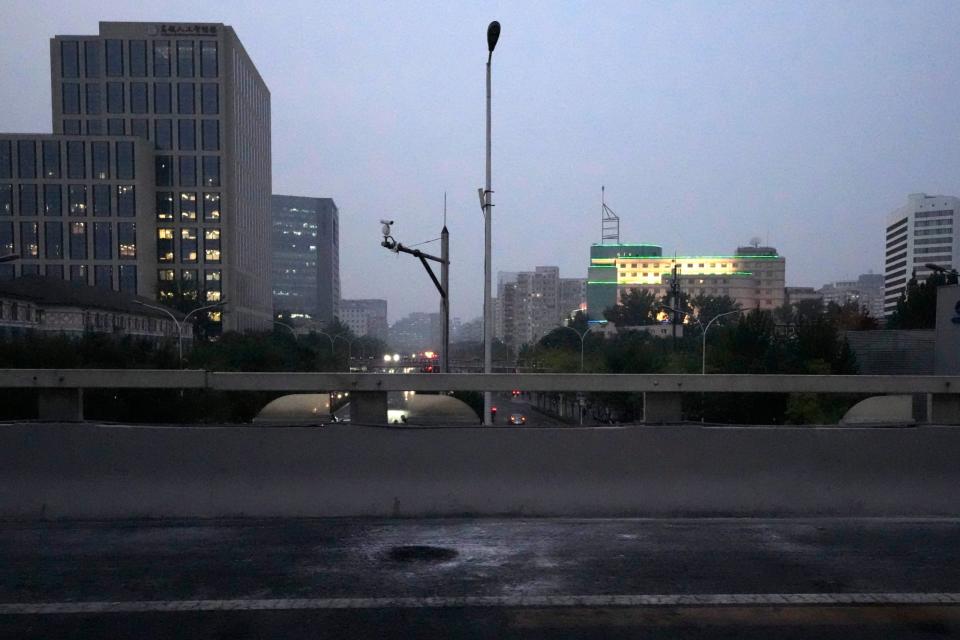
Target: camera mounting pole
(442, 285)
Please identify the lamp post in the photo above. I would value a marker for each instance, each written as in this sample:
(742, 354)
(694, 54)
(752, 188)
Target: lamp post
(349, 342)
(582, 336)
(493, 34)
(703, 330)
(180, 324)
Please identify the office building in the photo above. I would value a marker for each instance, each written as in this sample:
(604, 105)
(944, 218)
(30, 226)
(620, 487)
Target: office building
(794, 295)
(530, 304)
(866, 291)
(752, 276)
(417, 332)
(919, 233)
(79, 208)
(306, 258)
(573, 297)
(365, 317)
(192, 91)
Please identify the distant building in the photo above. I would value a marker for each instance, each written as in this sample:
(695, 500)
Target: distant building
(52, 305)
(470, 331)
(752, 276)
(306, 258)
(531, 303)
(793, 295)
(417, 332)
(919, 233)
(365, 317)
(573, 297)
(867, 291)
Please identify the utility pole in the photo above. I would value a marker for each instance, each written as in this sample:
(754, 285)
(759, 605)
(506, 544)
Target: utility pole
(445, 286)
(675, 300)
(493, 34)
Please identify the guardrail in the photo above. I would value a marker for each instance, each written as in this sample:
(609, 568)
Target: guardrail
(61, 390)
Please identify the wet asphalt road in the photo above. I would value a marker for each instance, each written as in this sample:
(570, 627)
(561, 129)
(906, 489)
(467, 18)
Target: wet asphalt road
(265, 560)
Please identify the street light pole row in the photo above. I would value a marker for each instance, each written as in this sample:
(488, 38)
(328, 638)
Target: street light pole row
(703, 331)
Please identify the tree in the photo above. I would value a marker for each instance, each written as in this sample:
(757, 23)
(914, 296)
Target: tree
(708, 307)
(917, 306)
(636, 307)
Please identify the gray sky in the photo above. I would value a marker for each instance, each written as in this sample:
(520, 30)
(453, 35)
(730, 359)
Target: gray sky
(801, 123)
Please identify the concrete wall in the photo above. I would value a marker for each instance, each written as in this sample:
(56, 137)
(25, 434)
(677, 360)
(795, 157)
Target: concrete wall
(85, 471)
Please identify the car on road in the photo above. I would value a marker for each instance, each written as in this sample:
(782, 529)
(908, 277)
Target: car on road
(517, 418)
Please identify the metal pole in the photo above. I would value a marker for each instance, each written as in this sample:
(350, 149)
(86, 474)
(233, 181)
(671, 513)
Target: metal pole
(445, 298)
(703, 350)
(487, 271)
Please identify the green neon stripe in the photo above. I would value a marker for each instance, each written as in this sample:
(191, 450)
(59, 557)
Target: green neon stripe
(601, 282)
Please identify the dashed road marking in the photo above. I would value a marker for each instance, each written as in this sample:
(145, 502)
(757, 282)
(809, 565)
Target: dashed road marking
(655, 600)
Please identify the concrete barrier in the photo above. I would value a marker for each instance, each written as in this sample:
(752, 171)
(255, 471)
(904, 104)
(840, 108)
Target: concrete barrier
(88, 471)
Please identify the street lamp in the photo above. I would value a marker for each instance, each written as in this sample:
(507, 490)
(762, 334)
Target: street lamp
(582, 336)
(178, 323)
(349, 342)
(493, 34)
(10, 257)
(703, 330)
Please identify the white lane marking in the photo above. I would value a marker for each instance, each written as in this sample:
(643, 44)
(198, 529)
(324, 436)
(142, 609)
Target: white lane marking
(662, 600)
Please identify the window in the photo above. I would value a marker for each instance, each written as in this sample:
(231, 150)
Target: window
(138, 58)
(70, 59)
(140, 127)
(75, 159)
(166, 284)
(189, 284)
(211, 245)
(91, 54)
(188, 206)
(161, 58)
(71, 99)
(164, 171)
(115, 127)
(165, 245)
(127, 241)
(114, 58)
(101, 200)
(161, 97)
(94, 93)
(95, 127)
(6, 159)
(208, 98)
(126, 201)
(27, 156)
(211, 135)
(51, 158)
(188, 171)
(55, 271)
(211, 207)
(77, 199)
(29, 241)
(186, 98)
(187, 135)
(102, 241)
(211, 171)
(125, 165)
(103, 276)
(138, 97)
(6, 237)
(100, 156)
(6, 199)
(128, 278)
(208, 59)
(163, 135)
(78, 273)
(52, 200)
(164, 205)
(188, 245)
(53, 239)
(185, 58)
(30, 270)
(28, 200)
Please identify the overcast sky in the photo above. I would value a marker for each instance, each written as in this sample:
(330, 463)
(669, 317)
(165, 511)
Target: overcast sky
(801, 123)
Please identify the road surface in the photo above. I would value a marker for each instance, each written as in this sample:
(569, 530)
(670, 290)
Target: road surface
(470, 578)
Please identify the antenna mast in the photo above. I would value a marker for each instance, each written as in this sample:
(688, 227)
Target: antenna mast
(609, 221)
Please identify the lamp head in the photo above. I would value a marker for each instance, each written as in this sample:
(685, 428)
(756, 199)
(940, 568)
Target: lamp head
(493, 34)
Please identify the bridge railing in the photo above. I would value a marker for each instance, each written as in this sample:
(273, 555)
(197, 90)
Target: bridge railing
(61, 390)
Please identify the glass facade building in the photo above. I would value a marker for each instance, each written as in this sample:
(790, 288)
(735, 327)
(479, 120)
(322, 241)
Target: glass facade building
(191, 93)
(306, 258)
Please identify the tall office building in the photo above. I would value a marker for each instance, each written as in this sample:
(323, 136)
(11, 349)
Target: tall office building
(573, 297)
(919, 233)
(530, 304)
(866, 291)
(192, 91)
(365, 317)
(306, 258)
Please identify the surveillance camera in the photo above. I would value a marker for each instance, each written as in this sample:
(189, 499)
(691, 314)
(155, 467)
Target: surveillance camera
(386, 222)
